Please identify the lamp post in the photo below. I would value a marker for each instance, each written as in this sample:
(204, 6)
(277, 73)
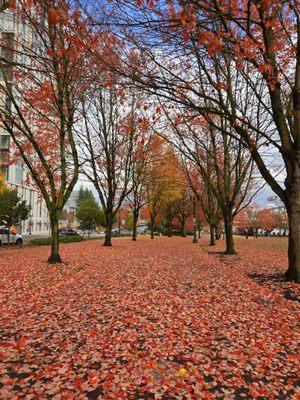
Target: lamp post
(30, 226)
(195, 240)
(119, 222)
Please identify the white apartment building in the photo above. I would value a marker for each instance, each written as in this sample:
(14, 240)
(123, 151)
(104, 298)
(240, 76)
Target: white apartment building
(16, 174)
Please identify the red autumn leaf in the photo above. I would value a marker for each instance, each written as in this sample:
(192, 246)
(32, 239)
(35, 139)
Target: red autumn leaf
(12, 4)
(186, 37)
(53, 16)
(106, 385)
(163, 336)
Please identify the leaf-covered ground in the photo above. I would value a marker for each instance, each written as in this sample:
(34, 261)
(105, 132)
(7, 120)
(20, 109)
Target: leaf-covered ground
(162, 319)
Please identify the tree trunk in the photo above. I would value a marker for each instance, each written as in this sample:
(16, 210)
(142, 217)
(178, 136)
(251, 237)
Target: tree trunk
(229, 236)
(152, 227)
(54, 223)
(152, 232)
(218, 232)
(107, 240)
(293, 209)
(212, 235)
(134, 226)
(183, 233)
(108, 228)
(169, 230)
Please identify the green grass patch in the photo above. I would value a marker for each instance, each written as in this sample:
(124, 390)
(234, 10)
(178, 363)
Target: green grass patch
(114, 235)
(62, 239)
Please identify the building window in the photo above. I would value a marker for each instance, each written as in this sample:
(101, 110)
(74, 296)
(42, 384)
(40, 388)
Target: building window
(7, 21)
(4, 156)
(19, 173)
(4, 142)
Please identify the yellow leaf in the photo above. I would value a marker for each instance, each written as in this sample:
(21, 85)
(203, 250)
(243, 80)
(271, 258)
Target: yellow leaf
(182, 372)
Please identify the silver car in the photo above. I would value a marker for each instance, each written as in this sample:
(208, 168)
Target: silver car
(8, 237)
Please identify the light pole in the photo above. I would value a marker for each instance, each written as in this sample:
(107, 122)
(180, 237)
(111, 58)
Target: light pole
(119, 222)
(195, 240)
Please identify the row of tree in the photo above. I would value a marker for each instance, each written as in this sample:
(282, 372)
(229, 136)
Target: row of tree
(217, 81)
(257, 220)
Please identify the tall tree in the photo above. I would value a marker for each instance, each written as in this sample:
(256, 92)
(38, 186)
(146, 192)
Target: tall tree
(143, 152)
(184, 208)
(107, 141)
(43, 71)
(223, 163)
(205, 196)
(163, 182)
(246, 50)
(84, 194)
(88, 214)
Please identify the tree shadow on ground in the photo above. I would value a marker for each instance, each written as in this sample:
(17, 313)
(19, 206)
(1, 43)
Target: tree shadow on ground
(275, 282)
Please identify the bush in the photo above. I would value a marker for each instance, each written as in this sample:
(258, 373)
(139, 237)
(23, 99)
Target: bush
(62, 239)
(190, 232)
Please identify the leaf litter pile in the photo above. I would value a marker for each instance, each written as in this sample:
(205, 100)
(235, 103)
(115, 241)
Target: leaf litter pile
(161, 319)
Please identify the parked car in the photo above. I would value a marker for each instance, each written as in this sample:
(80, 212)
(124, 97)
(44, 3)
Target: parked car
(9, 237)
(114, 231)
(72, 232)
(67, 232)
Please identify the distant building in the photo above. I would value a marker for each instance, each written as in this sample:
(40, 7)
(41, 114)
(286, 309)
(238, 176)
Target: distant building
(71, 203)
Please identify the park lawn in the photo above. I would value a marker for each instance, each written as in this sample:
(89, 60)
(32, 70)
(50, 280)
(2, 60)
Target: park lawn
(277, 244)
(149, 320)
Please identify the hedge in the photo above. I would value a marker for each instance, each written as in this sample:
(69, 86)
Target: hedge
(62, 239)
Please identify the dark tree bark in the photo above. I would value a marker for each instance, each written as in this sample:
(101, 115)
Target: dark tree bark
(54, 223)
(107, 240)
(229, 236)
(170, 230)
(212, 235)
(183, 232)
(152, 232)
(152, 222)
(134, 225)
(108, 228)
(293, 210)
(218, 232)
